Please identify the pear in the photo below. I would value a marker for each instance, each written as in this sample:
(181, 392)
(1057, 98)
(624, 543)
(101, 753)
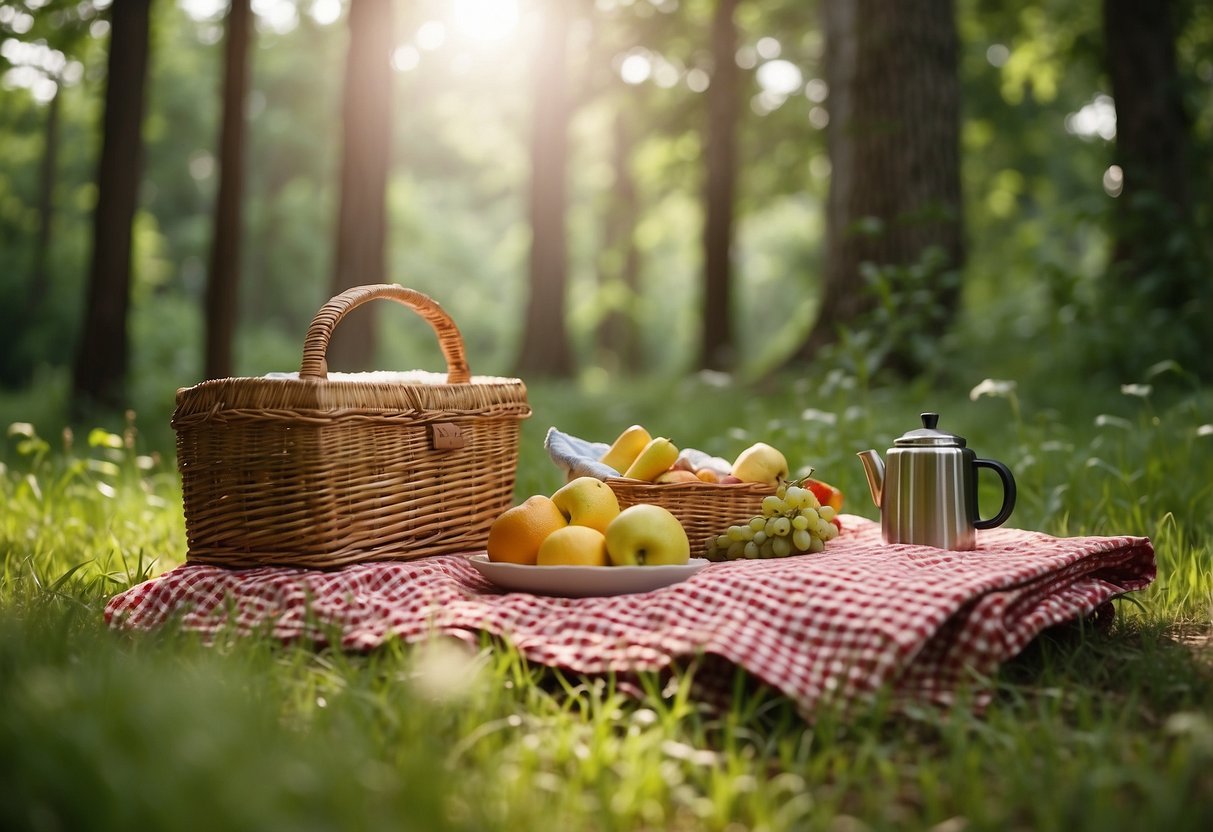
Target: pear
(654, 460)
(626, 447)
(761, 463)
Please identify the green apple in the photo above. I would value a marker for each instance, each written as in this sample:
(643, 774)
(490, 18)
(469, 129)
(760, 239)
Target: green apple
(762, 464)
(647, 535)
(587, 501)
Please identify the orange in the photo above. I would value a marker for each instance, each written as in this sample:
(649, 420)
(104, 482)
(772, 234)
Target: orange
(574, 546)
(517, 533)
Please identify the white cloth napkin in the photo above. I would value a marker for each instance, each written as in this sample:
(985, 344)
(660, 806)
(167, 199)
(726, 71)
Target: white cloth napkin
(578, 457)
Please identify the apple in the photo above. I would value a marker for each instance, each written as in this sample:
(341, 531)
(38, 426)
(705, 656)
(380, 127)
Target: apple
(587, 501)
(573, 546)
(761, 463)
(626, 447)
(825, 493)
(656, 458)
(707, 475)
(729, 480)
(647, 535)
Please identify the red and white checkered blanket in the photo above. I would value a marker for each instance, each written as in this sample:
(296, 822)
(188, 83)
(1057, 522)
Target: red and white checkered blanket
(838, 626)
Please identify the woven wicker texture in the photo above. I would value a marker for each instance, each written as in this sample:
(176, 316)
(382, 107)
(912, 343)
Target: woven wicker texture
(323, 471)
(704, 509)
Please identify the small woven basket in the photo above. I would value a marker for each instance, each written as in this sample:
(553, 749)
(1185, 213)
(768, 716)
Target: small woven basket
(326, 470)
(704, 509)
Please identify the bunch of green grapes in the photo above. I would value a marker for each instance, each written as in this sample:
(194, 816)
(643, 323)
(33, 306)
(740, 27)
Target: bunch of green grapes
(792, 522)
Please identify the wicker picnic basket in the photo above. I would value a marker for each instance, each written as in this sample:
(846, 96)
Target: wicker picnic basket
(323, 470)
(704, 509)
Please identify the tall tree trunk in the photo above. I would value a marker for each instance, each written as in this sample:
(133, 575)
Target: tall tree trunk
(545, 345)
(40, 280)
(365, 163)
(1151, 139)
(224, 279)
(102, 356)
(619, 259)
(893, 139)
(716, 339)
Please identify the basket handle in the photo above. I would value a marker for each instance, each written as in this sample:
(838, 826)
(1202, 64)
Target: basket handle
(316, 344)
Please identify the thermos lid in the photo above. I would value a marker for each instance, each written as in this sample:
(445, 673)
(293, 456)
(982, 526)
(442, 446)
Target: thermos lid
(927, 436)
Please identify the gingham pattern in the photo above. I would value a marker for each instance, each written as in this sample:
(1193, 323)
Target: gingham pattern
(837, 626)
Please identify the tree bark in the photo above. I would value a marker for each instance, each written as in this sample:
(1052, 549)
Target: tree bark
(40, 279)
(545, 343)
(717, 349)
(102, 356)
(893, 139)
(361, 256)
(1151, 138)
(619, 258)
(224, 280)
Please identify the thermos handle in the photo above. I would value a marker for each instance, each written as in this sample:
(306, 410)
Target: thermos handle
(1008, 493)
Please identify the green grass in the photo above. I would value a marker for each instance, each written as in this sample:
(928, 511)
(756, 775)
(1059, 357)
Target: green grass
(1088, 730)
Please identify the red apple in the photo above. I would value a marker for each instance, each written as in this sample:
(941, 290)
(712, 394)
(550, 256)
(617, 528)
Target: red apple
(825, 493)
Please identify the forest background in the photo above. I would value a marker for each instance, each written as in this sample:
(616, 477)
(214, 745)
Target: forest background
(601, 188)
(730, 220)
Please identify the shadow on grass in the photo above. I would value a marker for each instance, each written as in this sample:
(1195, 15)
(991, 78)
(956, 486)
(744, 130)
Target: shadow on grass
(1147, 667)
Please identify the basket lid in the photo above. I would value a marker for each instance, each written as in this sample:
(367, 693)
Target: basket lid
(314, 390)
(416, 390)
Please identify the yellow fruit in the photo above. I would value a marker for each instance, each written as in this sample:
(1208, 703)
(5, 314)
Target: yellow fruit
(762, 464)
(707, 475)
(587, 501)
(574, 546)
(676, 475)
(518, 532)
(656, 458)
(626, 448)
(647, 535)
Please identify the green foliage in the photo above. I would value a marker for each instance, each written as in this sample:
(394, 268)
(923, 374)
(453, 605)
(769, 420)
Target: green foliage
(1040, 216)
(1036, 214)
(900, 332)
(104, 496)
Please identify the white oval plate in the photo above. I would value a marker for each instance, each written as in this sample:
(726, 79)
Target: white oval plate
(583, 581)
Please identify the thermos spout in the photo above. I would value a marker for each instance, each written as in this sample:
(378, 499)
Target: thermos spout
(873, 466)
